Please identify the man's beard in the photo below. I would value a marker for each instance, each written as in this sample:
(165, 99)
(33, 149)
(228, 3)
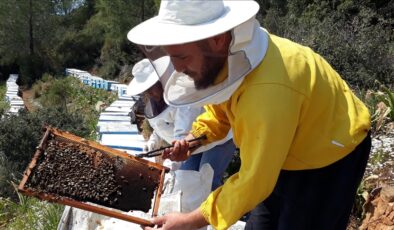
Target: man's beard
(209, 72)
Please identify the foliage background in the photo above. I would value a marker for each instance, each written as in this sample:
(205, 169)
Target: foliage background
(39, 36)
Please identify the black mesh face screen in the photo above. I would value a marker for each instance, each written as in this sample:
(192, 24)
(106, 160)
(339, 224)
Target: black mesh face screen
(154, 108)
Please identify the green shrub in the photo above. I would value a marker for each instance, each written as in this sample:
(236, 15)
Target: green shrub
(109, 70)
(4, 105)
(389, 98)
(355, 37)
(46, 77)
(58, 94)
(381, 106)
(71, 95)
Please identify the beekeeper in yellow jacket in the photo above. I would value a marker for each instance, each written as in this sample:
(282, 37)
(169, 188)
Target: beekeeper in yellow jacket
(303, 135)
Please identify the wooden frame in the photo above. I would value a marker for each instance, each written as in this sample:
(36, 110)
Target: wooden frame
(82, 205)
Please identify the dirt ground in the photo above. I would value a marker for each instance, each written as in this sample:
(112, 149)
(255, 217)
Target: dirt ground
(27, 96)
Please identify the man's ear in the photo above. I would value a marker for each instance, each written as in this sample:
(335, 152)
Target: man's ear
(220, 42)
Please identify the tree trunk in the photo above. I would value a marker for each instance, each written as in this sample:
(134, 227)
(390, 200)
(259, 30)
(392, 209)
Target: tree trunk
(142, 10)
(31, 43)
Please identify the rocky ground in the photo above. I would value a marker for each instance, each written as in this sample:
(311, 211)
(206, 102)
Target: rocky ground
(378, 185)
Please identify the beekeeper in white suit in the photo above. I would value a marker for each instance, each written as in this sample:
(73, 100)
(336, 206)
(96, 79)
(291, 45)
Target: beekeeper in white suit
(170, 123)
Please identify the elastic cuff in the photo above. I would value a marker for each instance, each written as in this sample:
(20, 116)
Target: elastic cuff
(204, 212)
(198, 133)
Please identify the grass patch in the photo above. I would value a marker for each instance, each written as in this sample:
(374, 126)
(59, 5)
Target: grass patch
(29, 213)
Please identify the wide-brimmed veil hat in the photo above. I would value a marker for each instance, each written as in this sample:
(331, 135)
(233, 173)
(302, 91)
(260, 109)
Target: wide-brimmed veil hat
(146, 75)
(184, 21)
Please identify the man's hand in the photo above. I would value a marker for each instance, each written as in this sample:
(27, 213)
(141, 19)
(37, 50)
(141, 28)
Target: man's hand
(179, 221)
(173, 221)
(181, 150)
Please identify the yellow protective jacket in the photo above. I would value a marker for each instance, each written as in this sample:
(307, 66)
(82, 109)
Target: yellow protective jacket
(292, 112)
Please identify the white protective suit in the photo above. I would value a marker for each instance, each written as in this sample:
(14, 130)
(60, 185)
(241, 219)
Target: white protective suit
(174, 124)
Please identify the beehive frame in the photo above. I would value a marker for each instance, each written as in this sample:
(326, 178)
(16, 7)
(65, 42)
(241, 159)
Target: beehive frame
(83, 205)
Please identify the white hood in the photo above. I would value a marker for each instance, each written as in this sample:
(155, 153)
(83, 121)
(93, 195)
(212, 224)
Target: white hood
(247, 50)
